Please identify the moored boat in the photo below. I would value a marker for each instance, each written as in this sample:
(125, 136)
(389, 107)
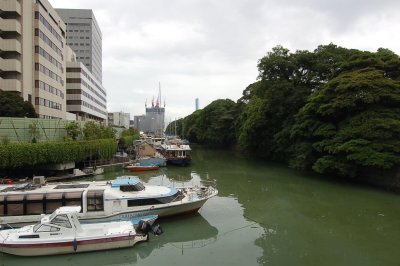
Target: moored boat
(158, 160)
(102, 201)
(142, 167)
(62, 233)
(177, 154)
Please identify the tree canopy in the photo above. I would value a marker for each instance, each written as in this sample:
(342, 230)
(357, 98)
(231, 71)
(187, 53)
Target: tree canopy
(333, 110)
(213, 125)
(13, 105)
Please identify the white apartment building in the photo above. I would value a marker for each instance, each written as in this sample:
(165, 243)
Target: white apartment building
(86, 97)
(119, 119)
(32, 49)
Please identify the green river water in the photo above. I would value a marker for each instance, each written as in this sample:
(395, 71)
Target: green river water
(264, 214)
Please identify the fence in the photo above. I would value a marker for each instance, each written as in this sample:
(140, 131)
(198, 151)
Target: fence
(25, 129)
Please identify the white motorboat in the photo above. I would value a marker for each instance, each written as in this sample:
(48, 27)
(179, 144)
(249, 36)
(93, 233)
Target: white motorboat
(101, 201)
(62, 233)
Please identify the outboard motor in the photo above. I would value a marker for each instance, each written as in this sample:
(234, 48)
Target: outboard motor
(157, 230)
(145, 227)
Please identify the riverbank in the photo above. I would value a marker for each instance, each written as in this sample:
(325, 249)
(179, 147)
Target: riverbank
(389, 180)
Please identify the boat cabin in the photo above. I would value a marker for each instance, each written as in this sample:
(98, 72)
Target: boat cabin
(64, 218)
(95, 199)
(47, 202)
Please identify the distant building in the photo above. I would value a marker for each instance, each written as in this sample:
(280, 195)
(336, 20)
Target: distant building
(138, 121)
(153, 121)
(119, 119)
(32, 55)
(197, 105)
(83, 35)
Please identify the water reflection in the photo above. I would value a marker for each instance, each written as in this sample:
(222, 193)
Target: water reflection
(187, 232)
(127, 256)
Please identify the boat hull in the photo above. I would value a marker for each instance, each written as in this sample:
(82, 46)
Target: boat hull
(179, 161)
(152, 160)
(142, 168)
(172, 209)
(67, 247)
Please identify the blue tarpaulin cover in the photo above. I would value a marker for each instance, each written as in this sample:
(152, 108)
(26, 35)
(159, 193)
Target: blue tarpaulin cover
(124, 181)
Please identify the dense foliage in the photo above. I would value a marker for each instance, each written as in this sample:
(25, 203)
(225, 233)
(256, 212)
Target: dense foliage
(29, 154)
(333, 110)
(213, 125)
(93, 130)
(127, 138)
(13, 105)
(73, 130)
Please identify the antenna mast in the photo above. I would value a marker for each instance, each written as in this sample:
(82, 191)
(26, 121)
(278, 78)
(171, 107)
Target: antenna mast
(159, 92)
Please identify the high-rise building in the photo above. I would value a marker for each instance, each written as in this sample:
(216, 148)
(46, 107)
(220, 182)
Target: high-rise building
(153, 121)
(86, 97)
(32, 48)
(197, 105)
(83, 35)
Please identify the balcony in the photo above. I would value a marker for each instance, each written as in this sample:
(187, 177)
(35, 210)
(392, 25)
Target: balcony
(10, 6)
(10, 45)
(10, 25)
(10, 84)
(10, 65)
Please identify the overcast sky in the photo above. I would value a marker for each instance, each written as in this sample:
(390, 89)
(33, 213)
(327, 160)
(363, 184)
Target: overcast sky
(208, 49)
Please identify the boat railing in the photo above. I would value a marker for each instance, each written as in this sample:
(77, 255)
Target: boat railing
(179, 196)
(209, 183)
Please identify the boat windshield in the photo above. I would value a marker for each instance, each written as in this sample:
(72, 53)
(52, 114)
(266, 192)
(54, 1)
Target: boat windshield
(61, 220)
(52, 216)
(36, 227)
(136, 187)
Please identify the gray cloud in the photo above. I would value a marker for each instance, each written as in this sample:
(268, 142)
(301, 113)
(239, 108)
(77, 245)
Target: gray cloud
(209, 49)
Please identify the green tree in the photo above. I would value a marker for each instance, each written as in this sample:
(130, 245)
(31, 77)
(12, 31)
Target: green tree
(191, 127)
(93, 130)
(268, 106)
(127, 138)
(215, 123)
(13, 105)
(73, 130)
(34, 131)
(351, 124)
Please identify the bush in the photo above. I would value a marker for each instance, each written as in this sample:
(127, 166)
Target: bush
(25, 154)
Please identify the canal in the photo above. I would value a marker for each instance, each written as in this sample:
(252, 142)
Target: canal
(265, 214)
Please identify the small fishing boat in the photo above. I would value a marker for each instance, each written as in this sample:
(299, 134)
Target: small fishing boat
(158, 160)
(142, 167)
(62, 233)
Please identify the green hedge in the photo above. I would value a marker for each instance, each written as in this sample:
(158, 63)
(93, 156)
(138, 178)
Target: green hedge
(128, 140)
(24, 154)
